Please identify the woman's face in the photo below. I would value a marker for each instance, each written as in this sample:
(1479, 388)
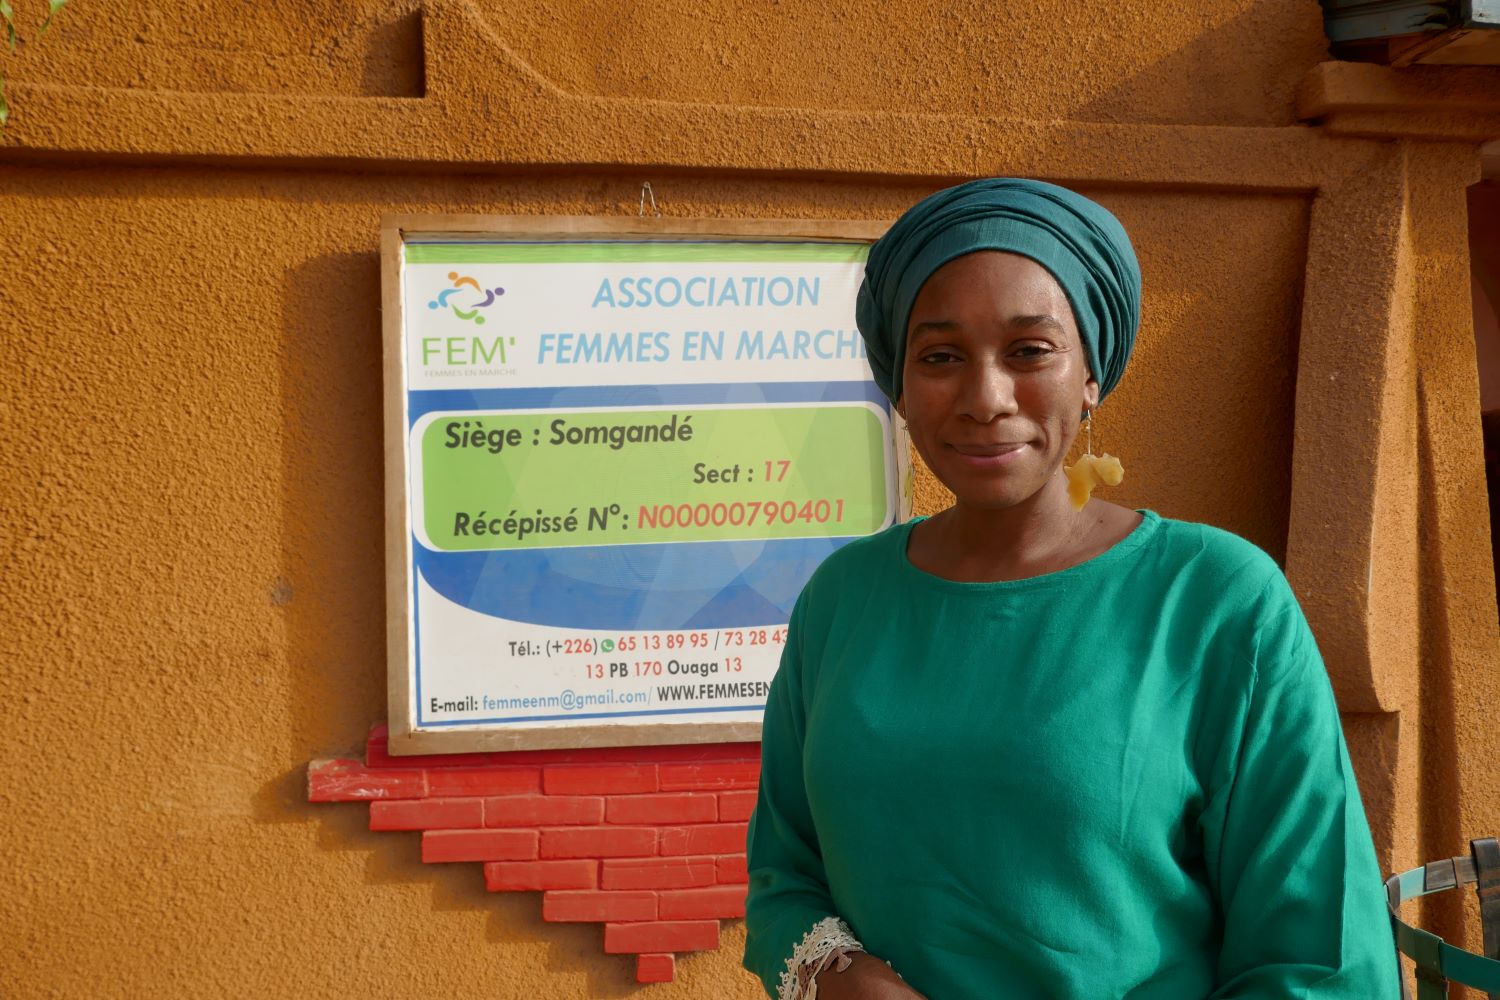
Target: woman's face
(995, 377)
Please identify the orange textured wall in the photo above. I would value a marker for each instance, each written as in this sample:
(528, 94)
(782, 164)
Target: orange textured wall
(191, 509)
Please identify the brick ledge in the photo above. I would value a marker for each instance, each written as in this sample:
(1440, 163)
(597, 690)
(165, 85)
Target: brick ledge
(648, 841)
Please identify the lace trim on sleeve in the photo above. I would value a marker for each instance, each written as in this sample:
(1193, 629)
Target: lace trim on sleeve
(826, 943)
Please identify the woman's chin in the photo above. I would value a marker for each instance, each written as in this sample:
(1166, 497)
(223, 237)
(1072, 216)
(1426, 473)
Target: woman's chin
(992, 486)
(993, 496)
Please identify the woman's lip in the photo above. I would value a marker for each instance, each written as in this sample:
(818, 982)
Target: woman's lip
(987, 450)
(988, 455)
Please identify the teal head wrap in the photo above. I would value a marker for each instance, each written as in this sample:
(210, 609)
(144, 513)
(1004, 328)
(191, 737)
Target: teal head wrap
(1083, 246)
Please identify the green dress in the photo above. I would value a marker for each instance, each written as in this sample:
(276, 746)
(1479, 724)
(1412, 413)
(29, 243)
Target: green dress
(1124, 779)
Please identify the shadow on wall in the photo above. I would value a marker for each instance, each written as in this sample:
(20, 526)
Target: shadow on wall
(332, 500)
(394, 63)
(1484, 261)
(1210, 70)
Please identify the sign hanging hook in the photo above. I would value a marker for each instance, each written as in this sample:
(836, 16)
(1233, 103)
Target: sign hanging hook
(646, 192)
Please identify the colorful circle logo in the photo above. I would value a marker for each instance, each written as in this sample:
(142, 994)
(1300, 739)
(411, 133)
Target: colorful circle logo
(470, 310)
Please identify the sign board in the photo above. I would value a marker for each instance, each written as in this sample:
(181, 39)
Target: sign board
(616, 450)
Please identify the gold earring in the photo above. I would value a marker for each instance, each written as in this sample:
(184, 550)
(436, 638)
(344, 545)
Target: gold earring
(1091, 470)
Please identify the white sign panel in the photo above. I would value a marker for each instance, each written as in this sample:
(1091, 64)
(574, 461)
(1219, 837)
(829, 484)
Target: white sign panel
(623, 457)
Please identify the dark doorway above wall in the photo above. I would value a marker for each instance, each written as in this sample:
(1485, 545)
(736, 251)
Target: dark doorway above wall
(1444, 32)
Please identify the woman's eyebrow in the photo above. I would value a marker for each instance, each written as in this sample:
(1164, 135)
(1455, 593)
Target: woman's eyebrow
(1028, 322)
(934, 326)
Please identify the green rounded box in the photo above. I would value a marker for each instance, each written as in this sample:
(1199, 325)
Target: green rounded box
(549, 478)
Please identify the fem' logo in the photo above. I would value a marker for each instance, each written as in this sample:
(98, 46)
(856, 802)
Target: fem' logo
(469, 310)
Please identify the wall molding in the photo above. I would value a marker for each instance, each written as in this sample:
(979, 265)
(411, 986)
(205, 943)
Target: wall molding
(1444, 104)
(486, 110)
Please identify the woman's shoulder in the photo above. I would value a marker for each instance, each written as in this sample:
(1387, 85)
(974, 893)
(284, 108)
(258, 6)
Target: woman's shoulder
(868, 554)
(1217, 559)
(854, 568)
(1212, 547)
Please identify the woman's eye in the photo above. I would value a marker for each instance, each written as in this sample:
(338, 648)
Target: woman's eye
(938, 357)
(1032, 352)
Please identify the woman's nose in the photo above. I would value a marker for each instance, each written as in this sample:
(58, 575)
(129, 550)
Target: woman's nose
(988, 392)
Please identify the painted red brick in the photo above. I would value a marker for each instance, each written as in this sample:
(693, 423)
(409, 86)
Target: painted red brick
(592, 905)
(598, 816)
(350, 781)
(479, 845)
(679, 807)
(511, 876)
(543, 810)
(599, 779)
(736, 807)
(598, 842)
(719, 901)
(655, 968)
(484, 780)
(377, 749)
(666, 935)
(732, 869)
(657, 754)
(377, 754)
(710, 775)
(427, 814)
(711, 838)
(658, 873)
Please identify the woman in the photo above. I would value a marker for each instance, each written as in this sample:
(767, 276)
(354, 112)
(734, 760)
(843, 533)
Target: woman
(1023, 750)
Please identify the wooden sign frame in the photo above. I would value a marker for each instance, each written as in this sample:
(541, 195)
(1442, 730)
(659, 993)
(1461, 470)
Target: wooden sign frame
(405, 737)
